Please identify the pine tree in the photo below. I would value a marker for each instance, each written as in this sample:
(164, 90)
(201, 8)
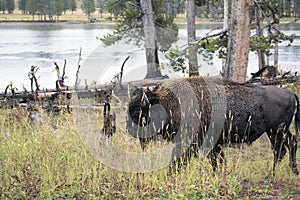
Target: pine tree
(88, 6)
(22, 6)
(131, 26)
(3, 6)
(66, 5)
(10, 5)
(101, 6)
(73, 5)
(59, 8)
(32, 7)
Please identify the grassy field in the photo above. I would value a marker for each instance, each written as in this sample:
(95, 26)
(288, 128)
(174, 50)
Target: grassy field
(75, 17)
(38, 162)
(78, 16)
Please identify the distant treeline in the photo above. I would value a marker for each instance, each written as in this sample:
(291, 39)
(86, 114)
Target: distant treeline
(44, 8)
(47, 9)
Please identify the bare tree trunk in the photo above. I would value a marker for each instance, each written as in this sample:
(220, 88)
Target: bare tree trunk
(276, 55)
(193, 61)
(225, 25)
(169, 8)
(150, 40)
(261, 54)
(276, 52)
(226, 14)
(238, 41)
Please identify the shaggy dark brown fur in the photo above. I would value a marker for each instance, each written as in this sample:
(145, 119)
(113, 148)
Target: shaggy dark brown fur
(194, 106)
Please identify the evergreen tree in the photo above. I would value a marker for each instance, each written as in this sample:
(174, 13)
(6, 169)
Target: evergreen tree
(131, 27)
(66, 5)
(32, 7)
(129, 17)
(59, 8)
(73, 5)
(297, 8)
(101, 6)
(10, 6)
(88, 6)
(3, 6)
(22, 6)
(116, 7)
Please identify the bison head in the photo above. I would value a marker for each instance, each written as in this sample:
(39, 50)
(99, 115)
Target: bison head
(146, 116)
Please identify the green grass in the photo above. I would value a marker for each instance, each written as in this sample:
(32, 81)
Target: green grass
(38, 163)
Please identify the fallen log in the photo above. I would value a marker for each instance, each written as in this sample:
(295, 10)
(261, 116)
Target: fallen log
(100, 92)
(282, 80)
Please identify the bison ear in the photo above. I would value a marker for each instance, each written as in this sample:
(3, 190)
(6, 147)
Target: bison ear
(136, 92)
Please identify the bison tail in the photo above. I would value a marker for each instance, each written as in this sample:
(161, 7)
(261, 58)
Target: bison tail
(297, 118)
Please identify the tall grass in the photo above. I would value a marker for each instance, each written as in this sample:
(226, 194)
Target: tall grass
(38, 162)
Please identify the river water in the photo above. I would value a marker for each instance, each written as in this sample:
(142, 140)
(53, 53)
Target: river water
(23, 45)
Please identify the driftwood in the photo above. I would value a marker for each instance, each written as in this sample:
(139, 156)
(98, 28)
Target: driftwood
(103, 94)
(102, 91)
(282, 80)
(33, 79)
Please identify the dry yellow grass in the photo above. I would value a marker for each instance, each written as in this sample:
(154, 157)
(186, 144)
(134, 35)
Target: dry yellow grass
(79, 16)
(39, 163)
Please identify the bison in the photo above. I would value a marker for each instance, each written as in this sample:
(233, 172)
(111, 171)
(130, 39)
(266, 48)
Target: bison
(201, 112)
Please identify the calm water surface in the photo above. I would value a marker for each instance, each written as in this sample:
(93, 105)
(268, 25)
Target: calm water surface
(23, 45)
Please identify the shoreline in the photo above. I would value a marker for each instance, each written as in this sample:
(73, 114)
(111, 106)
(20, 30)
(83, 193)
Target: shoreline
(82, 19)
(106, 22)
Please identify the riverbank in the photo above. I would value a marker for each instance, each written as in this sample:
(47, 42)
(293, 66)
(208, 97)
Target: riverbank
(79, 17)
(76, 17)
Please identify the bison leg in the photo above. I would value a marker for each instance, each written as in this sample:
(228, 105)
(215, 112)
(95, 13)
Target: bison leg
(213, 157)
(222, 158)
(279, 151)
(144, 142)
(182, 161)
(292, 146)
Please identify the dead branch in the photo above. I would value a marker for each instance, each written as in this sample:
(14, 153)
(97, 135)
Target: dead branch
(77, 73)
(206, 37)
(63, 77)
(33, 79)
(122, 69)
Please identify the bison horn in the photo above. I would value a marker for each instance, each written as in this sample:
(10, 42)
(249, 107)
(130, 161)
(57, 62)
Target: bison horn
(145, 99)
